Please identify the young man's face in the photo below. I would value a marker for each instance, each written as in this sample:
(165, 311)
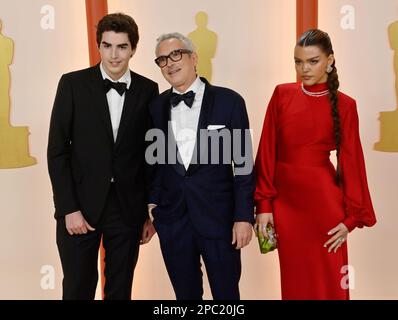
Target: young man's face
(180, 74)
(116, 52)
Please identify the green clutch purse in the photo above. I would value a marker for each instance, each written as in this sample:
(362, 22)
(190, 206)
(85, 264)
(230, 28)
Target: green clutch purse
(267, 244)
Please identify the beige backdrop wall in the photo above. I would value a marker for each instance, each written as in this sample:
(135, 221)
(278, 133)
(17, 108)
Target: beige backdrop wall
(254, 53)
(365, 63)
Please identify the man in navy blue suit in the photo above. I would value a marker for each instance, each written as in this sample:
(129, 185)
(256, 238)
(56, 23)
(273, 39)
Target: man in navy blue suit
(202, 191)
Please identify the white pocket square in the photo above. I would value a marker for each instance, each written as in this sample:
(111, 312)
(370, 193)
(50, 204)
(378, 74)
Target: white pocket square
(215, 126)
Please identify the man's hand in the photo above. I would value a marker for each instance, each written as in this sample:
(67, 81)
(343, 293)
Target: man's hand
(148, 231)
(151, 206)
(76, 224)
(241, 234)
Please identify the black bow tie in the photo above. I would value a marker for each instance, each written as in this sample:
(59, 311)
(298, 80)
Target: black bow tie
(187, 97)
(120, 87)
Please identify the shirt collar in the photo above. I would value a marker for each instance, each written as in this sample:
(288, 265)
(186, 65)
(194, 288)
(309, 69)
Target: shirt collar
(126, 77)
(195, 86)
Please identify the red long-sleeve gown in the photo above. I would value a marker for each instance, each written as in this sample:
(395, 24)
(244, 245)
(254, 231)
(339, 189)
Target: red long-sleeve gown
(296, 182)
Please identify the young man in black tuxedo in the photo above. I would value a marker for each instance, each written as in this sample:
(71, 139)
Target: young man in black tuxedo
(96, 162)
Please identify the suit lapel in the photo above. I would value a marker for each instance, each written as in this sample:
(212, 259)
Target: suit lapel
(207, 103)
(170, 139)
(100, 102)
(130, 103)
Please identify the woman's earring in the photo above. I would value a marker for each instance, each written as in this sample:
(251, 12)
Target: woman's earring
(329, 69)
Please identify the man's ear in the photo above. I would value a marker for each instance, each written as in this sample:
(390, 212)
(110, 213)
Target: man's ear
(195, 58)
(133, 53)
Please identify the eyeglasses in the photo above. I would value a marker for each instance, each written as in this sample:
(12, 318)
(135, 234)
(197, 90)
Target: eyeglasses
(175, 55)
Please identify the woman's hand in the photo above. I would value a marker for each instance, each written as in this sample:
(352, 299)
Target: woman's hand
(339, 233)
(262, 220)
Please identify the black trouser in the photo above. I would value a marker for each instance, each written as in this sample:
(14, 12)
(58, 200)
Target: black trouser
(182, 247)
(79, 255)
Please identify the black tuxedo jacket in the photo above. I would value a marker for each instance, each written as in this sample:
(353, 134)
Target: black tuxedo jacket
(82, 155)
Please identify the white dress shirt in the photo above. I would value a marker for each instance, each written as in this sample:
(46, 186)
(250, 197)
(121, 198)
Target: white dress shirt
(184, 122)
(115, 100)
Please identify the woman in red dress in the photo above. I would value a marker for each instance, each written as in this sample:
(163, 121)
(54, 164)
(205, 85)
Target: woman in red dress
(312, 206)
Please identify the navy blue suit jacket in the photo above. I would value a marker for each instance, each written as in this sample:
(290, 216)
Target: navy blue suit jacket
(211, 194)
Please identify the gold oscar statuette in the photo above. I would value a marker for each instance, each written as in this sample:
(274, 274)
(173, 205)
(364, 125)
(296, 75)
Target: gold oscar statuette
(389, 119)
(205, 42)
(14, 143)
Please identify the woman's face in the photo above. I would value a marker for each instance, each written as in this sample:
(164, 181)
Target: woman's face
(311, 64)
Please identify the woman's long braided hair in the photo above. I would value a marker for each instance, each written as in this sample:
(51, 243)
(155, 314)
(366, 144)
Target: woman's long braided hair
(319, 38)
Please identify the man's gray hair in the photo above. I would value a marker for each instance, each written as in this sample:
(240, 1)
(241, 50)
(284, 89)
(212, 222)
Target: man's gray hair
(175, 35)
